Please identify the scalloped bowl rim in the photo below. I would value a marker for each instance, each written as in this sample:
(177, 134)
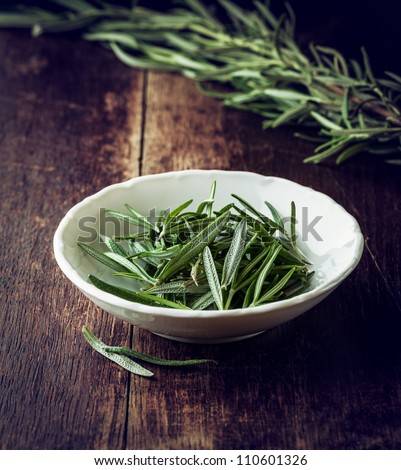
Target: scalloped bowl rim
(261, 310)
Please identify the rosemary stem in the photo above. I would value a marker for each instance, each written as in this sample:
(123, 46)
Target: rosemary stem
(230, 296)
(388, 115)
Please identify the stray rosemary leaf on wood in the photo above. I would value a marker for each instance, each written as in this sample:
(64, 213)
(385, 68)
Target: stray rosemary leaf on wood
(252, 52)
(122, 361)
(158, 360)
(231, 258)
(123, 356)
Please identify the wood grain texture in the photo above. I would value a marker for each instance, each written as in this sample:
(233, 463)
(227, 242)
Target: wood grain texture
(317, 382)
(330, 379)
(183, 129)
(65, 135)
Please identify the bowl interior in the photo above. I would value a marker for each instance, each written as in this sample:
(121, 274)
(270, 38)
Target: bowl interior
(327, 235)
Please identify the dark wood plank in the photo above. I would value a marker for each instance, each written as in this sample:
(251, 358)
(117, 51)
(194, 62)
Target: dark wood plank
(70, 125)
(183, 128)
(330, 379)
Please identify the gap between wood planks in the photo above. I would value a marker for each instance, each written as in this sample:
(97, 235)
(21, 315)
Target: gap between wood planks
(143, 121)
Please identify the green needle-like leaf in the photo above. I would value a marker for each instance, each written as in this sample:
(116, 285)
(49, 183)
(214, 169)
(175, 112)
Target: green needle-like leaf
(140, 218)
(122, 361)
(174, 213)
(112, 245)
(131, 353)
(277, 287)
(248, 295)
(140, 297)
(130, 266)
(234, 255)
(207, 205)
(264, 272)
(266, 220)
(203, 302)
(293, 233)
(212, 277)
(178, 287)
(276, 216)
(120, 291)
(194, 247)
(135, 219)
(244, 278)
(102, 258)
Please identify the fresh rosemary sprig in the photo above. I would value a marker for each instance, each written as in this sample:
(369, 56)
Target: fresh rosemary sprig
(124, 356)
(255, 54)
(236, 257)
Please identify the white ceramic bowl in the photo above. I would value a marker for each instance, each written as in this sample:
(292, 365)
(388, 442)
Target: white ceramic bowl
(334, 256)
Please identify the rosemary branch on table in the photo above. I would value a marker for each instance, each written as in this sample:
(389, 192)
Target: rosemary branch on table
(235, 257)
(340, 103)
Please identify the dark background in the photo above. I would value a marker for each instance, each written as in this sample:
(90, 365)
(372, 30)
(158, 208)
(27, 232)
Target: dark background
(347, 25)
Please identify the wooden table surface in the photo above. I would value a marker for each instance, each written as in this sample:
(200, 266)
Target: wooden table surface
(73, 120)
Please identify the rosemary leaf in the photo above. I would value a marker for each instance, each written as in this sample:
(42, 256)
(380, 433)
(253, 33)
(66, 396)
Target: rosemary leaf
(203, 302)
(174, 213)
(277, 287)
(267, 267)
(245, 278)
(130, 266)
(122, 361)
(140, 219)
(178, 287)
(258, 214)
(276, 216)
(131, 353)
(194, 247)
(102, 258)
(121, 292)
(207, 205)
(112, 245)
(248, 295)
(234, 255)
(351, 151)
(212, 277)
(293, 235)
